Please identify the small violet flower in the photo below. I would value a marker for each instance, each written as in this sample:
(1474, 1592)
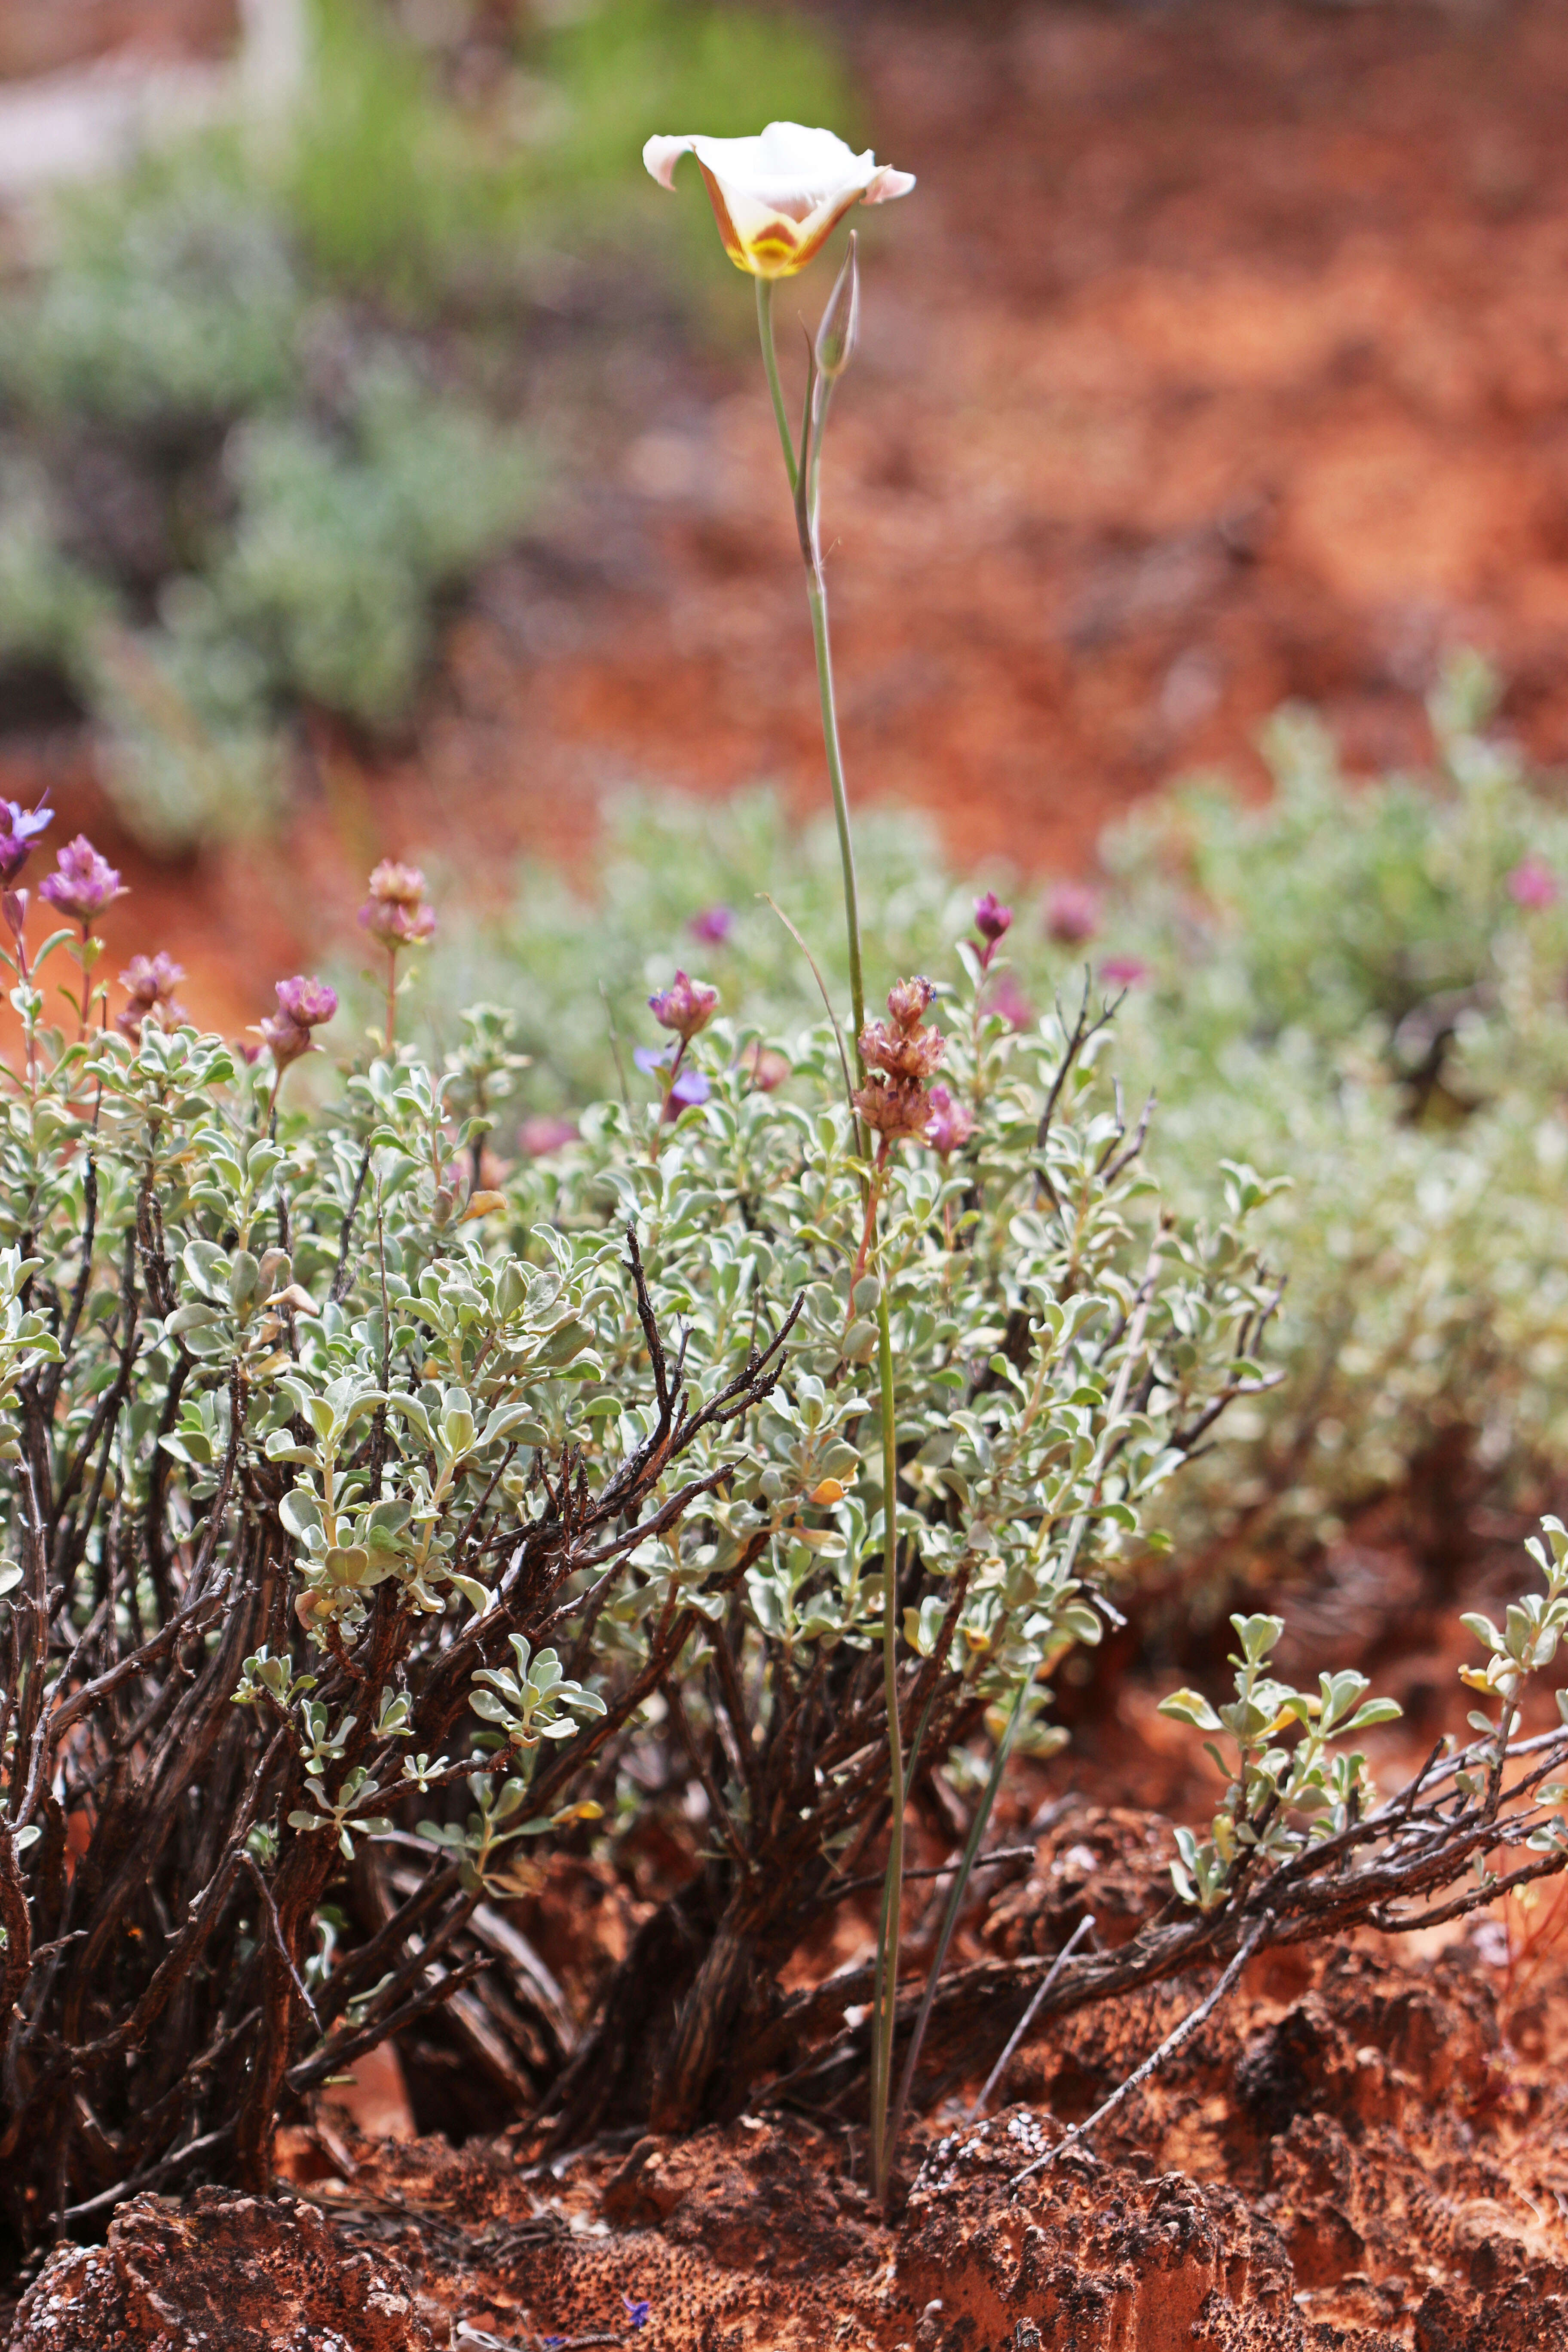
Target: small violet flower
(1072, 914)
(1124, 971)
(689, 1088)
(1532, 884)
(638, 2309)
(992, 920)
(712, 926)
(19, 828)
(302, 1005)
(150, 983)
(686, 1006)
(83, 882)
(950, 1125)
(396, 912)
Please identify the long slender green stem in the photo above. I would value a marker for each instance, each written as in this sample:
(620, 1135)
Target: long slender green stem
(977, 1829)
(817, 593)
(804, 474)
(886, 2008)
(771, 362)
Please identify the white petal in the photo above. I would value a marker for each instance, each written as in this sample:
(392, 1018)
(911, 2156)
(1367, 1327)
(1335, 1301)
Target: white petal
(888, 185)
(661, 157)
(787, 165)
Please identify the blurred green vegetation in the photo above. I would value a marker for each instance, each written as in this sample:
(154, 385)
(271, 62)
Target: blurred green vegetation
(394, 188)
(260, 409)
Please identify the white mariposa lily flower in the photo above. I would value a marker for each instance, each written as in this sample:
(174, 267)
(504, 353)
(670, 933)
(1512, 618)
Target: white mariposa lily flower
(778, 198)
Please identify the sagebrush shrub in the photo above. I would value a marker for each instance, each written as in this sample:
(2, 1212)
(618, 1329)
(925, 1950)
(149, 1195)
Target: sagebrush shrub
(346, 1502)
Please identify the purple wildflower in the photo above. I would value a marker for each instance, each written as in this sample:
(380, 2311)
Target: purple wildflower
(652, 1057)
(686, 1006)
(1532, 884)
(951, 1123)
(302, 1005)
(1072, 914)
(396, 912)
(150, 983)
(19, 828)
(712, 926)
(690, 1089)
(83, 882)
(638, 2309)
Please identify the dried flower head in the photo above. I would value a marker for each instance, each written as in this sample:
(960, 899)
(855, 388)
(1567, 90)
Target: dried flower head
(1532, 884)
(897, 1109)
(396, 911)
(903, 1046)
(950, 1124)
(1072, 913)
(83, 882)
(150, 983)
(777, 198)
(686, 1006)
(712, 926)
(909, 1001)
(302, 1005)
(19, 828)
(902, 1051)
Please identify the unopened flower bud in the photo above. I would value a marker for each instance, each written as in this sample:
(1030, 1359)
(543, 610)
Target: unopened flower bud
(991, 919)
(686, 1006)
(840, 330)
(1124, 970)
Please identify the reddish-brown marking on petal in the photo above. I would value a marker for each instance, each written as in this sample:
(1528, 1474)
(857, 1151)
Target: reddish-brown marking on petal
(820, 235)
(729, 234)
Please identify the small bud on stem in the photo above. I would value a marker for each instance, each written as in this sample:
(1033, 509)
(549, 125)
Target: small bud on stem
(840, 330)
